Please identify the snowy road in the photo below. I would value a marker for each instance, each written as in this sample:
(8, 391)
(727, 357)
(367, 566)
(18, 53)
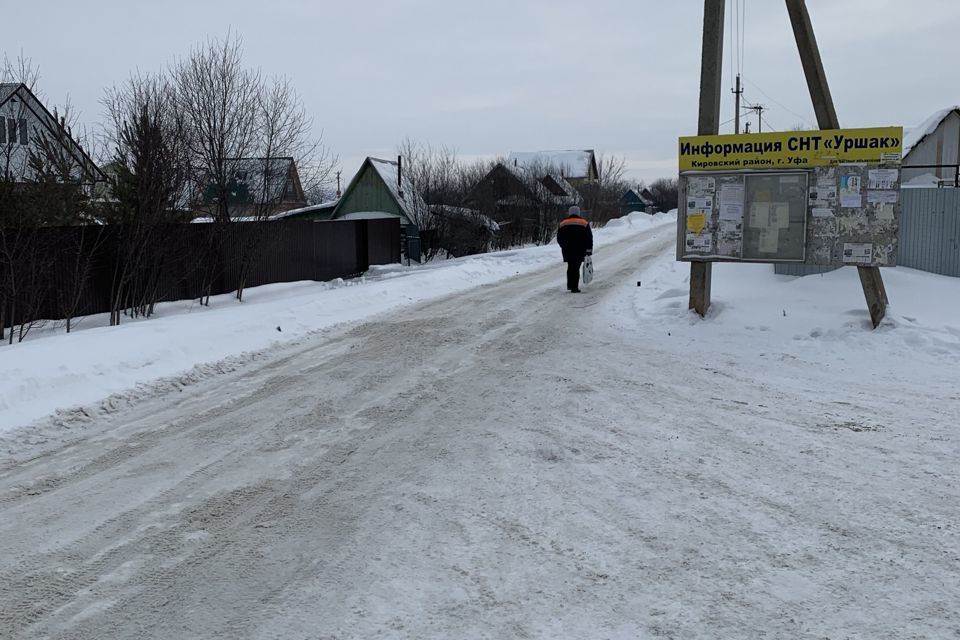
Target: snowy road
(502, 463)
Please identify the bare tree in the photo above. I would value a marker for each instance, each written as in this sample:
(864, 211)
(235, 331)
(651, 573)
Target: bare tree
(42, 185)
(665, 192)
(442, 181)
(284, 135)
(602, 197)
(238, 124)
(152, 165)
(218, 97)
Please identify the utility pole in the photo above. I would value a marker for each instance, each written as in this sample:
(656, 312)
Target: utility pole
(759, 109)
(736, 106)
(338, 184)
(711, 79)
(870, 278)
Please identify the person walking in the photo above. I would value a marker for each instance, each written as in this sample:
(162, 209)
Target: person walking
(576, 242)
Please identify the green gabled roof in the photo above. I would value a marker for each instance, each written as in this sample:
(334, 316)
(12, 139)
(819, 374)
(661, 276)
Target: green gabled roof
(406, 201)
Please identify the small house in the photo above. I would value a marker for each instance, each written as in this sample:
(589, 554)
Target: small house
(525, 203)
(30, 134)
(637, 199)
(933, 147)
(576, 166)
(258, 188)
(378, 187)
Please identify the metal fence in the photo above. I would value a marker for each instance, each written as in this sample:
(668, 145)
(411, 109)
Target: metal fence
(929, 234)
(60, 272)
(930, 230)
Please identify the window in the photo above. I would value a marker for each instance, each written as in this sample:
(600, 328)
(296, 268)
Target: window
(13, 128)
(775, 217)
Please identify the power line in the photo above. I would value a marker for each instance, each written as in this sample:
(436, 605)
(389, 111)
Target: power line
(730, 41)
(743, 37)
(780, 104)
(736, 22)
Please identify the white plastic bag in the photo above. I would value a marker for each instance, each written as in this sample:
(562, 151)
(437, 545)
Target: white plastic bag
(587, 269)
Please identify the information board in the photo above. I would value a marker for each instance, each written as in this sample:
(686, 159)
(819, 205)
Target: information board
(825, 214)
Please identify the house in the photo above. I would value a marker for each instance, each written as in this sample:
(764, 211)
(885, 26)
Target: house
(526, 202)
(378, 188)
(28, 129)
(637, 199)
(507, 187)
(258, 188)
(934, 148)
(577, 166)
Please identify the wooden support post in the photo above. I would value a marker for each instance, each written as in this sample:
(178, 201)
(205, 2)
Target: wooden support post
(711, 76)
(870, 278)
(874, 292)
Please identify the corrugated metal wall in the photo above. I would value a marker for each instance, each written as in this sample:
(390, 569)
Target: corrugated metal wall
(929, 234)
(930, 230)
(70, 271)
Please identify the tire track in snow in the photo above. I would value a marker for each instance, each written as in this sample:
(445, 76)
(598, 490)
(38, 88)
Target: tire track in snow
(183, 558)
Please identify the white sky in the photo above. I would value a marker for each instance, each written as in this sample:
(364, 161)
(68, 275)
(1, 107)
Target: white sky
(487, 78)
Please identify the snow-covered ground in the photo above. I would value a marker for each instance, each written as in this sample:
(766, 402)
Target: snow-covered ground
(468, 451)
(52, 370)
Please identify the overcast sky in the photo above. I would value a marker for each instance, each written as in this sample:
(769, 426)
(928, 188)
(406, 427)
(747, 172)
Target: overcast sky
(493, 76)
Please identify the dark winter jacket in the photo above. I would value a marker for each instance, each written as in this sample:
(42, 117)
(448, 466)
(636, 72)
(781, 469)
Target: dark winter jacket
(575, 238)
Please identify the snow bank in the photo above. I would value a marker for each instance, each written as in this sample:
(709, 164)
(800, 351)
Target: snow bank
(821, 319)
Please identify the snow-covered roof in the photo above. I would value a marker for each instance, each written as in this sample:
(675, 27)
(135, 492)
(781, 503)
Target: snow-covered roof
(308, 209)
(265, 178)
(639, 194)
(209, 219)
(528, 175)
(410, 201)
(913, 135)
(465, 213)
(367, 215)
(571, 163)
(923, 181)
(569, 192)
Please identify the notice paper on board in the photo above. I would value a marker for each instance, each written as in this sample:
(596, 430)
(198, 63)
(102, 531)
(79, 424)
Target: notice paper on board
(696, 222)
(825, 191)
(857, 252)
(882, 178)
(731, 202)
(769, 241)
(699, 204)
(702, 242)
(759, 214)
(701, 187)
(850, 192)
